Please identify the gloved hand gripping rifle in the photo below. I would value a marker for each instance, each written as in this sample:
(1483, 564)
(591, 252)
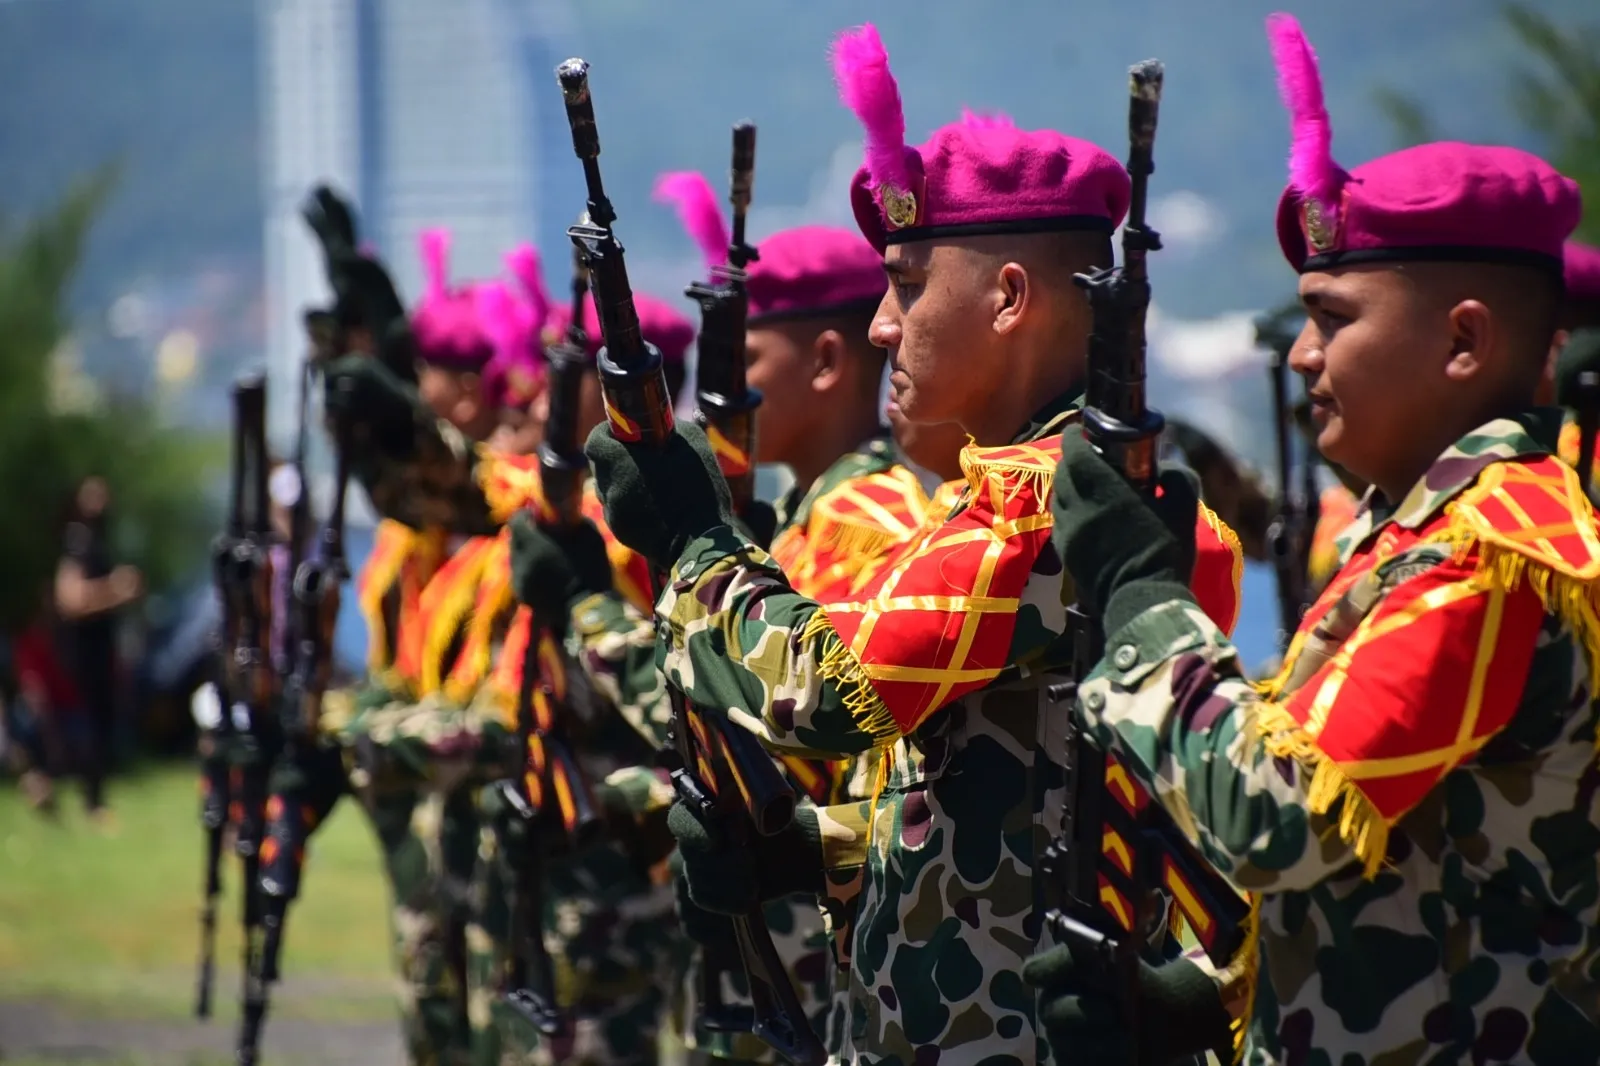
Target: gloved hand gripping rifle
(721, 769)
(1106, 874)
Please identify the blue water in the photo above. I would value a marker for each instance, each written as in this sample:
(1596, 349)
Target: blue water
(1255, 634)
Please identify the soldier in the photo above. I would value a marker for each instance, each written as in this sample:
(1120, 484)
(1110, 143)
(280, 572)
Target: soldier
(424, 819)
(608, 922)
(938, 661)
(1410, 802)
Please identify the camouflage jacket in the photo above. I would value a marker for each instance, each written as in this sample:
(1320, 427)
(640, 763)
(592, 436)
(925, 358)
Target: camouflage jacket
(872, 455)
(947, 912)
(1412, 800)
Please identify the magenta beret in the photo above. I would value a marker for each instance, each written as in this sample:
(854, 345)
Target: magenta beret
(445, 322)
(811, 271)
(1582, 271)
(977, 176)
(1445, 201)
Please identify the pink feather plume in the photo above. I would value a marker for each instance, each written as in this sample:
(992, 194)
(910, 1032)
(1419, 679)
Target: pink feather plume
(436, 262)
(867, 87)
(986, 120)
(696, 203)
(497, 314)
(1312, 171)
(523, 262)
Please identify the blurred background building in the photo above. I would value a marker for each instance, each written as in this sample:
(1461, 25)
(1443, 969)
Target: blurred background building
(426, 114)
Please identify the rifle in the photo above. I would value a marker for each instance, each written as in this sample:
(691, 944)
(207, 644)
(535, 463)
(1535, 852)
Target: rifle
(1588, 406)
(727, 405)
(549, 776)
(291, 813)
(253, 683)
(1106, 902)
(1290, 534)
(215, 772)
(717, 768)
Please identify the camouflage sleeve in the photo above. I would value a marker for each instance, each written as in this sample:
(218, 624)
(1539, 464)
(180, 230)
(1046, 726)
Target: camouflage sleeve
(734, 637)
(846, 829)
(434, 486)
(616, 647)
(1171, 700)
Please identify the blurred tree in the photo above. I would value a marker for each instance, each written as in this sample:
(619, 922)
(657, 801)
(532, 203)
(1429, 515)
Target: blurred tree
(46, 447)
(1558, 96)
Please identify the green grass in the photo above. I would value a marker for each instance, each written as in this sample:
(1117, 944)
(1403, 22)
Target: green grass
(110, 922)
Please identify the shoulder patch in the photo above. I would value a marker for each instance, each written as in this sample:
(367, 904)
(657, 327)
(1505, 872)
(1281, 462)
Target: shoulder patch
(1536, 510)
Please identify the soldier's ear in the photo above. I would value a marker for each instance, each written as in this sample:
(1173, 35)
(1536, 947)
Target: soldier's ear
(828, 354)
(1473, 342)
(1012, 297)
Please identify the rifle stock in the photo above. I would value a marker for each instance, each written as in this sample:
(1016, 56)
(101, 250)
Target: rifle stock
(1118, 850)
(639, 410)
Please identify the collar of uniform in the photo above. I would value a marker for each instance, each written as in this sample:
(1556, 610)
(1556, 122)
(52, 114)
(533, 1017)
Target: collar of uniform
(795, 506)
(1531, 432)
(1051, 418)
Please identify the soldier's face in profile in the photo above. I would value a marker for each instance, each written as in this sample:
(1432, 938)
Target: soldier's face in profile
(935, 324)
(1372, 367)
(778, 363)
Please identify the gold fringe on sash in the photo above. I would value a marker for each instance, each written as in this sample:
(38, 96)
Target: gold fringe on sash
(837, 663)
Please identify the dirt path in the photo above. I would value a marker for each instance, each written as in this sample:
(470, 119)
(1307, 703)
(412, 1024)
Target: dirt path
(45, 1031)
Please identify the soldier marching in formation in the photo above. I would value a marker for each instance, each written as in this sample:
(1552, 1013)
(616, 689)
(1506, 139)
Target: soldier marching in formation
(947, 757)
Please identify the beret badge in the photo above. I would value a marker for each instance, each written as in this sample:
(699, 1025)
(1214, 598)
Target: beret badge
(899, 208)
(1320, 228)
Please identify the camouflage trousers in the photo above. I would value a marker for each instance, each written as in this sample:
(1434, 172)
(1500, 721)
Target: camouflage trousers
(426, 823)
(802, 944)
(614, 944)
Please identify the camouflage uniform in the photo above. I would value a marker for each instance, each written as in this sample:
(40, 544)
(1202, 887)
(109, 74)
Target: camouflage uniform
(406, 761)
(1415, 905)
(608, 912)
(947, 911)
(410, 760)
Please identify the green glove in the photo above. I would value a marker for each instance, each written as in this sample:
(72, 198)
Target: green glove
(728, 879)
(382, 410)
(760, 522)
(658, 499)
(1581, 354)
(552, 568)
(703, 927)
(1125, 554)
(1179, 1004)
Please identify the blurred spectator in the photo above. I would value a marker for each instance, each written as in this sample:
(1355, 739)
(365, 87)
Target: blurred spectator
(89, 594)
(47, 712)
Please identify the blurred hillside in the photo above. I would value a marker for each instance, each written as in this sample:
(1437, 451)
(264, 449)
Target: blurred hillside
(170, 86)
